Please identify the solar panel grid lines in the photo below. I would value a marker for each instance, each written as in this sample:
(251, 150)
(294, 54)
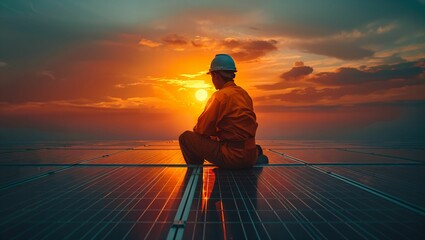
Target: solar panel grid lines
(90, 157)
(377, 192)
(249, 196)
(43, 203)
(157, 217)
(301, 217)
(385, 179)
(71, 216)
(105, 215)
(201, 204)
(28, 203)
(391, 198)
(116, 183)
(269, 202)
(82, 204)
(147, 210)
(291, 205)
(246, 207)
(342, 220)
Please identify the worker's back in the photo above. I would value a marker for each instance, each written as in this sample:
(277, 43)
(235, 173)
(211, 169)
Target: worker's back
(237, 120)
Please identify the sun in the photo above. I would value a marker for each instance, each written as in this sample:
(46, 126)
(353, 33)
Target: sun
(201, 95)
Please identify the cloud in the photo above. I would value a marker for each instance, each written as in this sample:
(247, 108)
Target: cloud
(298, 64)
(149, 43)
(193, 75)
(185, 83)
(47, 75)
(352, 76)
(245, 50)
(203, 42)
(297, 72)
(330, 86)
(175, 40)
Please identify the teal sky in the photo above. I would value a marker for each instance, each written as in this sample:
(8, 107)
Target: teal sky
(315, 69)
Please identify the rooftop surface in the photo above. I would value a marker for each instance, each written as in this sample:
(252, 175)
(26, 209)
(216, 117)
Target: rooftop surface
(143, 190)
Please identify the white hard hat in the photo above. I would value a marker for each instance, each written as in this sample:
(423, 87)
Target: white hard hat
(222, 62)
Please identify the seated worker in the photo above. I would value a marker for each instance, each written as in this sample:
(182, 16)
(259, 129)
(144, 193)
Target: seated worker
(225, 132)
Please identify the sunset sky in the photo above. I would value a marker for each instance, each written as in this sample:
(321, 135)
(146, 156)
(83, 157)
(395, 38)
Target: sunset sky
(102, 69)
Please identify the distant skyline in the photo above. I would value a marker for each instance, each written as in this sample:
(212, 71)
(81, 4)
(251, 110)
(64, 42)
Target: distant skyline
(335, 70)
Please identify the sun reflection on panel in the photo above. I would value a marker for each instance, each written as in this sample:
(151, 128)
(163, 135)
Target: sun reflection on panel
(208, 180)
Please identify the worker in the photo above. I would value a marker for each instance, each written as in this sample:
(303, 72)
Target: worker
(225, 132)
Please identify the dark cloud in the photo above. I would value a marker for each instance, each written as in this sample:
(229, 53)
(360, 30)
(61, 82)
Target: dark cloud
(352, 81)
(245, 50)
(351, 76)
(175, 39)
(313, 94)
(297, 72)
(298, 64)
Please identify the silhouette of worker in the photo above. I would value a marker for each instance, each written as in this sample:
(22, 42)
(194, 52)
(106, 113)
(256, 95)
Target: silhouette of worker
(225, 132)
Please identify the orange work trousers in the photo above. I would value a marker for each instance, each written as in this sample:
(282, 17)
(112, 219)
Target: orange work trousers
(197, 148)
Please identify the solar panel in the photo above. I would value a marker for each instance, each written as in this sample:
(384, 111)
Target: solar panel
(404, 182)
(290, 202)
(143, 189)
(338, 156)
(45, 156)
(408, 154)
(12, 174)
(278, 159)
(98, 200)
(143, 157)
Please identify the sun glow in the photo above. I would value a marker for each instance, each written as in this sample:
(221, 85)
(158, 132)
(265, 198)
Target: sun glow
(201, 95)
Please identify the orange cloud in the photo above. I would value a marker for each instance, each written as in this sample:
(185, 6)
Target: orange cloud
(149, 43)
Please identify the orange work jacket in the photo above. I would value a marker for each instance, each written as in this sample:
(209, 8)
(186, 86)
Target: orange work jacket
(229, 116)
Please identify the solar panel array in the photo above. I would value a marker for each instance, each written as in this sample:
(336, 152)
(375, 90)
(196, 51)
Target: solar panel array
(143, 190)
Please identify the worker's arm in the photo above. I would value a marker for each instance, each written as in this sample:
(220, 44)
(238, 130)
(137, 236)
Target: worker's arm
(207, 121)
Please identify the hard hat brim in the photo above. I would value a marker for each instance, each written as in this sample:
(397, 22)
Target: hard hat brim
(210, 71)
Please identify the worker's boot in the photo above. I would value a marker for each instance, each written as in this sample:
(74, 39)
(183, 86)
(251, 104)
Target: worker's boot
(261, 158)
